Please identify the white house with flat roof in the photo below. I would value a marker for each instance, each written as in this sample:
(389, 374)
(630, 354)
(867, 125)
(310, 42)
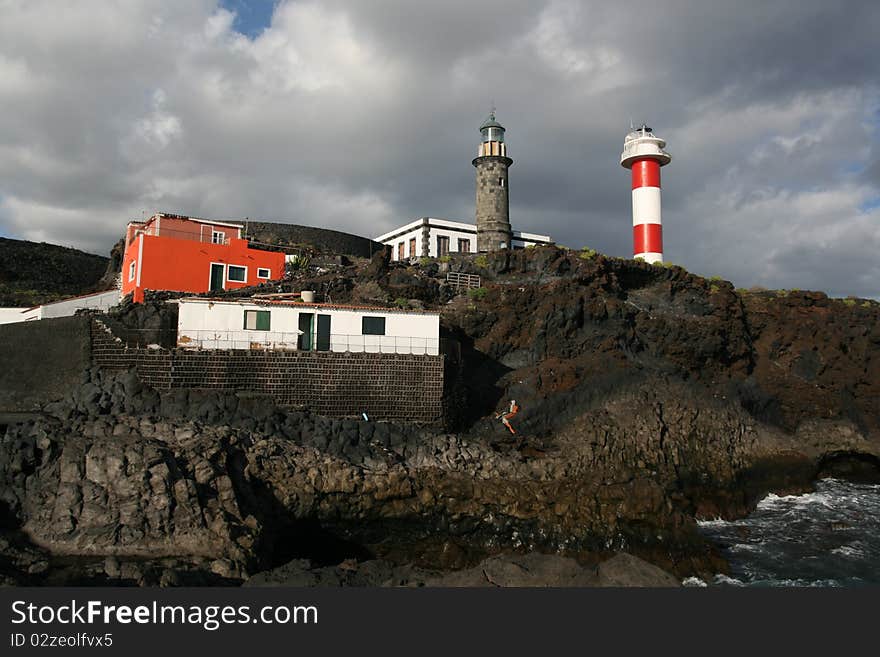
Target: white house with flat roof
(294, 325)
(430, 237)
(63, 308)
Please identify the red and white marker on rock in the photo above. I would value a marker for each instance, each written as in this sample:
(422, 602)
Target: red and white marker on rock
(643, 153)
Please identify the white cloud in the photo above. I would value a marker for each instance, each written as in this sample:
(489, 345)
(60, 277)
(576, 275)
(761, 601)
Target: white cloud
(555, 42)
(358, 116)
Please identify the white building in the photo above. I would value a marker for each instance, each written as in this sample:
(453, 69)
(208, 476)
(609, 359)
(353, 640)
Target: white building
(294, 325)
(433, 238)
(63, 308)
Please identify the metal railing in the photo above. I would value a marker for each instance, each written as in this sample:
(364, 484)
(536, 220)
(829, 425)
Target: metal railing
(460, 280)
(205, 237)
(296, 341)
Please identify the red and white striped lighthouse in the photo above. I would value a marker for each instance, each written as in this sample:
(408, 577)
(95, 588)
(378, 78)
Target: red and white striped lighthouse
(643, 153)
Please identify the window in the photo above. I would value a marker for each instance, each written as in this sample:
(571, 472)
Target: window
(442, 246)
(131, 270)
(464, 246)
(322, 334)
(218, 237)
(263, 272)
(501, 182)
(412, 247)
(236, 273)
(304, 342)
(373, 326)
(256, 320)
(400, 251)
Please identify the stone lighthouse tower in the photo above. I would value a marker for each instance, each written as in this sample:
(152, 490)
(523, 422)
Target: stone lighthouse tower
(493, 206)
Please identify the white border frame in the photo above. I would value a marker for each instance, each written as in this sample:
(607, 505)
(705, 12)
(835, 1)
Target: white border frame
(222, 281)
(268, 276)
(231, 280)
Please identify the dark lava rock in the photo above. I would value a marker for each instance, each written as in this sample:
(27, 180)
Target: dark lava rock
(626, 570)
(648, 397)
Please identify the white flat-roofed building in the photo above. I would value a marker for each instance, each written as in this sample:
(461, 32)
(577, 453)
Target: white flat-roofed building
(430, 237)
(63, 308)
(293, 325)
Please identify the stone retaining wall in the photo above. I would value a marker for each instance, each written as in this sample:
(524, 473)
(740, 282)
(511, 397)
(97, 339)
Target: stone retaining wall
(385, 386)
(41, 360)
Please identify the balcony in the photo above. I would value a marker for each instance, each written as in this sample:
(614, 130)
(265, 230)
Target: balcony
(205, 236)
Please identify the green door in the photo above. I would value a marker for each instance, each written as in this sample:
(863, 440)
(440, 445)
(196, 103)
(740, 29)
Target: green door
(216, 277)
(304, 342)
(322, 342)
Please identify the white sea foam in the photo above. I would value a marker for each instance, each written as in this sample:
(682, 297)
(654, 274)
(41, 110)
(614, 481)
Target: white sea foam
(693, 582)
(773, 501)
(724, 580)
(714, 522)
(848, 551)
(746, 547)
(830, 537)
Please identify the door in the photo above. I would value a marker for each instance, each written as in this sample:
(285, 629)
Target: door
(322, 341)
(304, 342)
(216, 277)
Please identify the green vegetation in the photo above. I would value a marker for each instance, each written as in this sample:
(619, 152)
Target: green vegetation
(481, 261)
(714, 289)
(666, 264)
(715, 279)
(866, 304)
(298, 262)
(445, 258)
(849, 301)
(400, 302)
(587, 253)
(424, 261)
(477, 293)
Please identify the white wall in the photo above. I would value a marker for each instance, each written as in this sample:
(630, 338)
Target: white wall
(64, 308)
(454, 230)
(12, 315)
(68, 307)
(405, 238)
(453, 235)
(530, 238)
(219, 325)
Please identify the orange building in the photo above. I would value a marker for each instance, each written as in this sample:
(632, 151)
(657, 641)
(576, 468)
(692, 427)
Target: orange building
(185, 254)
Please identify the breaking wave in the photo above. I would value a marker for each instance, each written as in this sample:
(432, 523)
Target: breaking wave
(830, 537)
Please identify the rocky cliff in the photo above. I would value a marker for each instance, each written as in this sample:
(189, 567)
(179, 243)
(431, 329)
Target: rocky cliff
(649, 396)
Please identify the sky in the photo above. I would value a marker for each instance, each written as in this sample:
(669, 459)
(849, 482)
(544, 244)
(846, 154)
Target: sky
(361, 116)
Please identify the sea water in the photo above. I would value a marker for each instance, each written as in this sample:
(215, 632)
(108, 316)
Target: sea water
(830, 537)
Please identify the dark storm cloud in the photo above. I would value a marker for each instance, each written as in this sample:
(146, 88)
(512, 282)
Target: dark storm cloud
(363, 115)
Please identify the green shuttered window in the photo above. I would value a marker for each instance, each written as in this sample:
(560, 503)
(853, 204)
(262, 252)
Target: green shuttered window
(256, 320)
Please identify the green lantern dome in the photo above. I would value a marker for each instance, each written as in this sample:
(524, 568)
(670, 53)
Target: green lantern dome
(491, 129)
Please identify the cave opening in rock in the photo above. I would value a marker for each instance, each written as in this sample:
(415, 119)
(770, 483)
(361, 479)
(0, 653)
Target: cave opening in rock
(852, 466)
